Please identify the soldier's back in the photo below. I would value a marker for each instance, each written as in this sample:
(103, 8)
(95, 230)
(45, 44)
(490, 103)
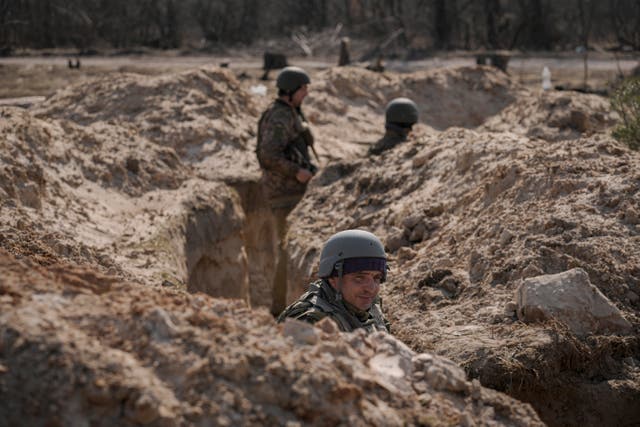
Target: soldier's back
(387, 142)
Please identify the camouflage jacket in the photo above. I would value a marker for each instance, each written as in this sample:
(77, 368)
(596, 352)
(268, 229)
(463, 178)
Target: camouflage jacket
(282, 150)
(393, 136)
(320, 301)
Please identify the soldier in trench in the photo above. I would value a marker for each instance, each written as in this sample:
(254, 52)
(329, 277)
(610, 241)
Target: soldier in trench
(400, 116)
(283, 145)
(353, 265)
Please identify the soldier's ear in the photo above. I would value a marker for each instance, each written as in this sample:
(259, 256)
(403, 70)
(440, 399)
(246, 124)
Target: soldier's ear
(333, 281)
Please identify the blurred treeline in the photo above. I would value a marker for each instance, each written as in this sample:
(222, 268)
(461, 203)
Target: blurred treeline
(426, 24)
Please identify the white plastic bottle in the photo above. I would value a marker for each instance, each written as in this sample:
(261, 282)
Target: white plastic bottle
(546, 78)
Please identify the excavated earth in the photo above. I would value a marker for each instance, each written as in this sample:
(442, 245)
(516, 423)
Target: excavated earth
(137, 255)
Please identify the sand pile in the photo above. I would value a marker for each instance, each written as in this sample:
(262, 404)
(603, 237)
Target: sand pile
(346, 104)
(104, 195)
(204, 115)
(54, 177)
(554, 116)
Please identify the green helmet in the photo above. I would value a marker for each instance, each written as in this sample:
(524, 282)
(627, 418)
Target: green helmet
(351, 245)
(401, 110)
(291, 78)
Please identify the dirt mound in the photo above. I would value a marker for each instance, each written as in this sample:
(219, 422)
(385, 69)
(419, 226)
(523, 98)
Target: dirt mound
(202, 114)
(554, 116)
(166, 109)
(76, 193)
(48, 169)
(354, 99)
(467, 214)
(463, 97)
(39, 155)
(78, 347)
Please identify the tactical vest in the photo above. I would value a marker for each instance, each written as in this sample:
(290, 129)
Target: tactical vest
(320, 301)
(393, 136)
(297, 149)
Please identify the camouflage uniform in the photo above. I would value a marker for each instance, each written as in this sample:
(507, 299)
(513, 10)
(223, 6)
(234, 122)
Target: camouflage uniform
(393, 136)
(282, 150)
(320, 301)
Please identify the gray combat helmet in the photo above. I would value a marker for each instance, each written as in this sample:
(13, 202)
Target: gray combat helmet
(349, 244)
(291, 78)
(401, 111)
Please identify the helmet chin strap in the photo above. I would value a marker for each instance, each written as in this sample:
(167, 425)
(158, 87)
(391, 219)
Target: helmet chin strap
(339, 266)
(291, 93)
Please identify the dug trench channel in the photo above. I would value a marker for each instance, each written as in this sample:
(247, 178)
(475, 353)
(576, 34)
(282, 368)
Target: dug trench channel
(237, 259)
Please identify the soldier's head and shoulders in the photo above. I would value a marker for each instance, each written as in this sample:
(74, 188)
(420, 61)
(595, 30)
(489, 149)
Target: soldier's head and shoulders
(353, 265)
(293, 87)
(284, 138)
(401, 114)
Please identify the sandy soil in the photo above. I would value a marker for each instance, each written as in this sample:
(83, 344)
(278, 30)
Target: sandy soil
(42, 75)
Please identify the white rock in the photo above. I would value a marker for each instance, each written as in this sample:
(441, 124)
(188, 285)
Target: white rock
(440, 373)
(260, 90)
(160, 325)
(301, 332)
(392, 361)
(569, 297)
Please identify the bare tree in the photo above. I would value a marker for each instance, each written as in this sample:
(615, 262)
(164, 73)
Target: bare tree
(439, 24)
(9, 20)
(585, 10)
(535, 28)
(442, 24)
(625, 21)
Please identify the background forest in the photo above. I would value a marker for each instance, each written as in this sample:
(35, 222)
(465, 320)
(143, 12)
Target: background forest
(426, 24)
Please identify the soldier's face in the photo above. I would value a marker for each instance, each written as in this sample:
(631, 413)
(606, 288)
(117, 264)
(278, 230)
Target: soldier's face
(360, 288)
(299, 95)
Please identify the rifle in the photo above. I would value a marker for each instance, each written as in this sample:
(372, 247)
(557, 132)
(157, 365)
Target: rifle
(315, 153)
(297, 151)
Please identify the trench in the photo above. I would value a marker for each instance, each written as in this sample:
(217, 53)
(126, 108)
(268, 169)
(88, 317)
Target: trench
(237, 259)
(260, 242)
(232, 252)
(606, 403)
(213, 251)
(587, 385)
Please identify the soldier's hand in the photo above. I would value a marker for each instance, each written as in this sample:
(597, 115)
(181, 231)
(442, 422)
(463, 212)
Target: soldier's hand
(303, 175)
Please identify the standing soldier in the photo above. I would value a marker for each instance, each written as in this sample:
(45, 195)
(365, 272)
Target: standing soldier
(284, 139)
(400, 116)
(353, 264)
